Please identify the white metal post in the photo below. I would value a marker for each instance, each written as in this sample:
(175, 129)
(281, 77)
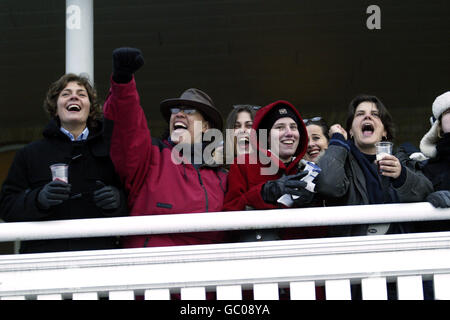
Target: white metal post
(80, 37)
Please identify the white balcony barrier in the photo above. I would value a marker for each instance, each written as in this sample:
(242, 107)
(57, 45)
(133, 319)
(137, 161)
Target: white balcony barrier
(213, 221)
(290, 269)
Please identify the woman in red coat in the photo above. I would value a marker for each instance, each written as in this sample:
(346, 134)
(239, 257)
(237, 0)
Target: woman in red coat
(259, 179)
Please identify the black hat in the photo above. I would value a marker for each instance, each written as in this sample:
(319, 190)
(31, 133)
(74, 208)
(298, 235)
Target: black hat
(200, 101)
(278, 112)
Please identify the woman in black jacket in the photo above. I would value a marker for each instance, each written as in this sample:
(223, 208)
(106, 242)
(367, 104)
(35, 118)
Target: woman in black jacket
(349, 173)
(435, 145)
(77, 136)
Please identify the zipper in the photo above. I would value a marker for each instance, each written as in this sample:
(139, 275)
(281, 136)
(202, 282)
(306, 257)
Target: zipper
(203, 186)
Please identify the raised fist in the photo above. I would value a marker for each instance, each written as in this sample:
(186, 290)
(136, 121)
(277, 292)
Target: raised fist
(126, 61)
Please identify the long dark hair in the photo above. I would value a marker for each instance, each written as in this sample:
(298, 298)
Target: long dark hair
(229, 124)
(385, 116)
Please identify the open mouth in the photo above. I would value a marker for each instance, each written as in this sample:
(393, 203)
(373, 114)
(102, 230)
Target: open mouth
(367, 129)
(179, 125)
(288, 142)
(243, 141)
(314, 153)
(73, 108)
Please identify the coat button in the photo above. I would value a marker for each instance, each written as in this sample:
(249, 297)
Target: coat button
(372, 230)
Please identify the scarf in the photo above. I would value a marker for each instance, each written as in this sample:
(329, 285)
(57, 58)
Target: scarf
(373, 185)
(379, 189)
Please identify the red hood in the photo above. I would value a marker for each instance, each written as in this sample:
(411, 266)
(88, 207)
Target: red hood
(303, 144)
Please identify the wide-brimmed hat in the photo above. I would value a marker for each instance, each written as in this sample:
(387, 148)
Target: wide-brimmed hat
(197, 99)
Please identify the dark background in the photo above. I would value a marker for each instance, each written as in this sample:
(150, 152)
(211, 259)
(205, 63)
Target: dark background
(316, 54)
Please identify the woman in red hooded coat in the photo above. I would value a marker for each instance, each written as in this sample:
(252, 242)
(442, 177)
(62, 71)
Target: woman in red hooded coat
(257, 180)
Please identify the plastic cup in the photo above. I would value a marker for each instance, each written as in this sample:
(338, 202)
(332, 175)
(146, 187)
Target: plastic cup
(383, 148)
(60, 171)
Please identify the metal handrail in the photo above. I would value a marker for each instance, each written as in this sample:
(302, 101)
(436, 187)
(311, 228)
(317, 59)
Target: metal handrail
(222, 221)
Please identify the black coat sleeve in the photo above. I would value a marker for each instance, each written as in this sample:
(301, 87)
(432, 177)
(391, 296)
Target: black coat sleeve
(18, 197)
(332, 180)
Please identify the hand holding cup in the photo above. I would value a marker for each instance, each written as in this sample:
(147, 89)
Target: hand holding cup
(388, 165)
(53, 193)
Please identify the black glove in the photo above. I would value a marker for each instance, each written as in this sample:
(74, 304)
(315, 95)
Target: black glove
(107, 197)
(272, 190)
(53, 193)
(126, 61)
(440, 199)
(304, 198)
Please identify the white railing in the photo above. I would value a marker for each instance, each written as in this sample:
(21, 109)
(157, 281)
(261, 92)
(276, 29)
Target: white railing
(214, 221)
(261, 270)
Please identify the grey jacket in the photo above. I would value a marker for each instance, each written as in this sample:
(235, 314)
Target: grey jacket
(342, 182)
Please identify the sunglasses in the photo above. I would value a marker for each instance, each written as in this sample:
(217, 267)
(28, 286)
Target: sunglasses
(185, 110)
(305, 121)
(238, 106)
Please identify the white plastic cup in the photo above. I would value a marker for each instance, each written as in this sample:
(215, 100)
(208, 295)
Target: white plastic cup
(60, 171)
(382, 148)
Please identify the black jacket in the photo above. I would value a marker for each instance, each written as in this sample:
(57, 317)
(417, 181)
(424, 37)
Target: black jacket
(342, 182)
(88, 161)
(437, 169)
